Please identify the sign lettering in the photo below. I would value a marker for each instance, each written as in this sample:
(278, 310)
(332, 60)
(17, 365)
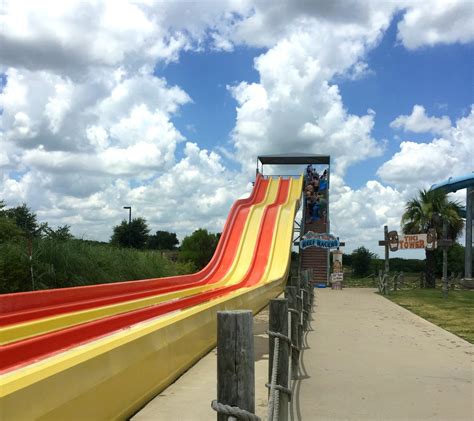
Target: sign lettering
(414, 241)
(312, 239)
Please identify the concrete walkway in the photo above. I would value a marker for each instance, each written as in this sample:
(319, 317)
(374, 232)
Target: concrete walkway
(189, 398)
(368, 359)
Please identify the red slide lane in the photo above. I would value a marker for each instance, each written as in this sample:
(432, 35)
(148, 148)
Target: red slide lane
(30, 350)
(106, 294)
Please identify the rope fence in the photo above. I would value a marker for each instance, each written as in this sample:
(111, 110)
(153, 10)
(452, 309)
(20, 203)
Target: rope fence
(288, 321)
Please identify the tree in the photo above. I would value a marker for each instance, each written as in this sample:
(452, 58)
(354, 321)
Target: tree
(9, 230)
(455, 259)
(198, 248)
(62, 233)
(427, 211)
(25, 219)
(361, 259)
(133, 234)
(162, 240)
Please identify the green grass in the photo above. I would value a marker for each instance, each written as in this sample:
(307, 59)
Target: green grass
(59, 264)
(354, 282)
(455, 314)
(411, 280)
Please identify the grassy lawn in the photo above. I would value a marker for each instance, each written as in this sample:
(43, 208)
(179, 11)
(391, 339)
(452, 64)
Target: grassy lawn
(411, 280)
(455, 314)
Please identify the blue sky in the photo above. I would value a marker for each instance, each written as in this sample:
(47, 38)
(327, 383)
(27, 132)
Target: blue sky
(440, 78)
(205, 77)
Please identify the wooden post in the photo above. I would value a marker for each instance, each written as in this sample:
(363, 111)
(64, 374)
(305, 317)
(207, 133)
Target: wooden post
(235, 360)
(387, 250)
(299, 307)
(278, 322)
(305, 306)
(290, 294)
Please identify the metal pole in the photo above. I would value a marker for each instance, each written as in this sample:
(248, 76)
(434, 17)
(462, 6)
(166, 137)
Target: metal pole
(468, 249)
(387, 250)
(129, 213)
(445, 261)
(235, 360)
(328, 226)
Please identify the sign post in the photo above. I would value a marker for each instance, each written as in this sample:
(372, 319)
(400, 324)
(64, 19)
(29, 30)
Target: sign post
(393, 242)
(387, 257)
(337, 275)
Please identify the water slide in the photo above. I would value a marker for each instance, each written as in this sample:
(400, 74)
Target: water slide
(453, 184)
(101, 352)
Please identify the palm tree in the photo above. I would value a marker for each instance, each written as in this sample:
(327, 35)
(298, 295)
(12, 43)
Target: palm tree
(429, 210)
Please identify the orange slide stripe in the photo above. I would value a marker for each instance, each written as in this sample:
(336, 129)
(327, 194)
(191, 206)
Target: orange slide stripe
(38, 304)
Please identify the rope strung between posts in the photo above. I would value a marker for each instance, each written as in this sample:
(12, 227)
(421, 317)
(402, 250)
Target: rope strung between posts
(274, 399)
(276, 409)
(297, 313)
(279, 336)
(233, 411)
(280, 389)
(271, 401)
(290, 334)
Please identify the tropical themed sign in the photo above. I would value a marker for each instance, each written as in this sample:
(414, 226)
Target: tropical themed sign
(337, 274)
(324, 240)
(412, 241)
(337, 277)
(337, 261)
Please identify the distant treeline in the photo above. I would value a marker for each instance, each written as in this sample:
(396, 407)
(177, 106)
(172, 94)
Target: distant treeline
(372, 264)
(35, 256)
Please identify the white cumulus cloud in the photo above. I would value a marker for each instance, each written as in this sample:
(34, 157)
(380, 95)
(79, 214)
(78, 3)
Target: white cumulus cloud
(431, 22)
(422, 164)
(419, 122)
(88, 124)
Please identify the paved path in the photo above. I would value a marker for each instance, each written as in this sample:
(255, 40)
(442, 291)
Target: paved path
(369, 359)
(189, 398)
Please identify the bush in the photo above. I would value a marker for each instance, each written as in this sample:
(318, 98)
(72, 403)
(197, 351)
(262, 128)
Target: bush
(67, 263)
(361, 261)
(14, 266)
(198, 248)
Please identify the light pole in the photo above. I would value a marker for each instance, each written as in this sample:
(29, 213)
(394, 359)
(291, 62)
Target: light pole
(129, 214)
(129, 224)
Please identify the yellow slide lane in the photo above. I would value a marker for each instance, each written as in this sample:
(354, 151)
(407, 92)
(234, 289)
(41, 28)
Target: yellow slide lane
(283, 238)
(280, 253)
(236, 272)
(112, 377)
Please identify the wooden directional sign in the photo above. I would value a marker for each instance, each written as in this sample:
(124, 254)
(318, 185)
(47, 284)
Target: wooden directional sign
(445, 243)
(412, 241)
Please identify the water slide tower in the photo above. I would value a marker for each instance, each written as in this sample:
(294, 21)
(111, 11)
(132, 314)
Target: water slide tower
(313, 258)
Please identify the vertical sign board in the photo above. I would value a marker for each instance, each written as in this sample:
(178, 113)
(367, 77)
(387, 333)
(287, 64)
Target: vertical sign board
(337, 261)
(337, 275)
